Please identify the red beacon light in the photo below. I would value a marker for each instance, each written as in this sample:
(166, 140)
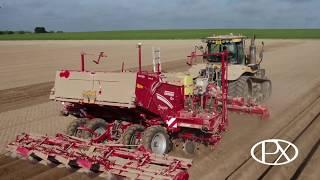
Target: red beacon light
(65, 74)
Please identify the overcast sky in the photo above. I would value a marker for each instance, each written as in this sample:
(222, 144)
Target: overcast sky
(104, 15)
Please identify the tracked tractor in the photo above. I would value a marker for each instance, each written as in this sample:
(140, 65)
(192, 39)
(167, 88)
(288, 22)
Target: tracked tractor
(246, 78)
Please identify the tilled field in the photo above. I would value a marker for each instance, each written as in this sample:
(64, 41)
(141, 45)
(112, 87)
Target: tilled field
(295, 107)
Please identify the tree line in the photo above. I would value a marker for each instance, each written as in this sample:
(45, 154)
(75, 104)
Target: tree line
(37, 30)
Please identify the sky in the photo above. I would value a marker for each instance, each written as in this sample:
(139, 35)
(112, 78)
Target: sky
(106, 15)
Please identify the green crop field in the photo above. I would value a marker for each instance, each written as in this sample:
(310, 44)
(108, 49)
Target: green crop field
(167, 34)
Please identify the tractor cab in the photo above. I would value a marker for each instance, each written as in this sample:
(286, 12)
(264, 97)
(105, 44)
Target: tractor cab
(234, 45)
(246, 78)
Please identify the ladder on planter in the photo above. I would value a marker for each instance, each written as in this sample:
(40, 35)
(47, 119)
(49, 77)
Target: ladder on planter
(156, 59)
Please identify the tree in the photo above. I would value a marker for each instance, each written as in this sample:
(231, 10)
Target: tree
(40, 30)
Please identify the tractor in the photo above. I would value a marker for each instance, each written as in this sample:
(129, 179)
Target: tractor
(246, 78)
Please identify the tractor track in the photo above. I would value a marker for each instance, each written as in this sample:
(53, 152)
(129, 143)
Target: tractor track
(307, 142)
(21, 169)
(15, 98)
(302, 130)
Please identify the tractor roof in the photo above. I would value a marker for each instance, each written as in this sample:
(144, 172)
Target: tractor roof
(222, 38)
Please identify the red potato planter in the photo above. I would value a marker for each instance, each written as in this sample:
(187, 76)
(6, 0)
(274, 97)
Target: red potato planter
(149, 108)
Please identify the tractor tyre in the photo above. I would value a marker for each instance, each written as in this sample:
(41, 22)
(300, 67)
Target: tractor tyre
(97, 125)
(240, 88)
(73, 130)
(129, 137)
(156, 140)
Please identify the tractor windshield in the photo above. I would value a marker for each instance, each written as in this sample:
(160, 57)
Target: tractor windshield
(236, 53)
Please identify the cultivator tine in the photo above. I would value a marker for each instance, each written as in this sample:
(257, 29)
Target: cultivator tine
(77, 153)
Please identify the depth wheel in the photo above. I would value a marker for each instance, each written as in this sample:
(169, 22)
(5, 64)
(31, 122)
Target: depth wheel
(132, 135)
(156, 140)
(189, 147)
(97, 125)
(72, 129)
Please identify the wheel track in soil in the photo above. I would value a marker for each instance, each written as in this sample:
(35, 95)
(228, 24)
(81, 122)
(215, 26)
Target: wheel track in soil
(304, 125)
(21, 169)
